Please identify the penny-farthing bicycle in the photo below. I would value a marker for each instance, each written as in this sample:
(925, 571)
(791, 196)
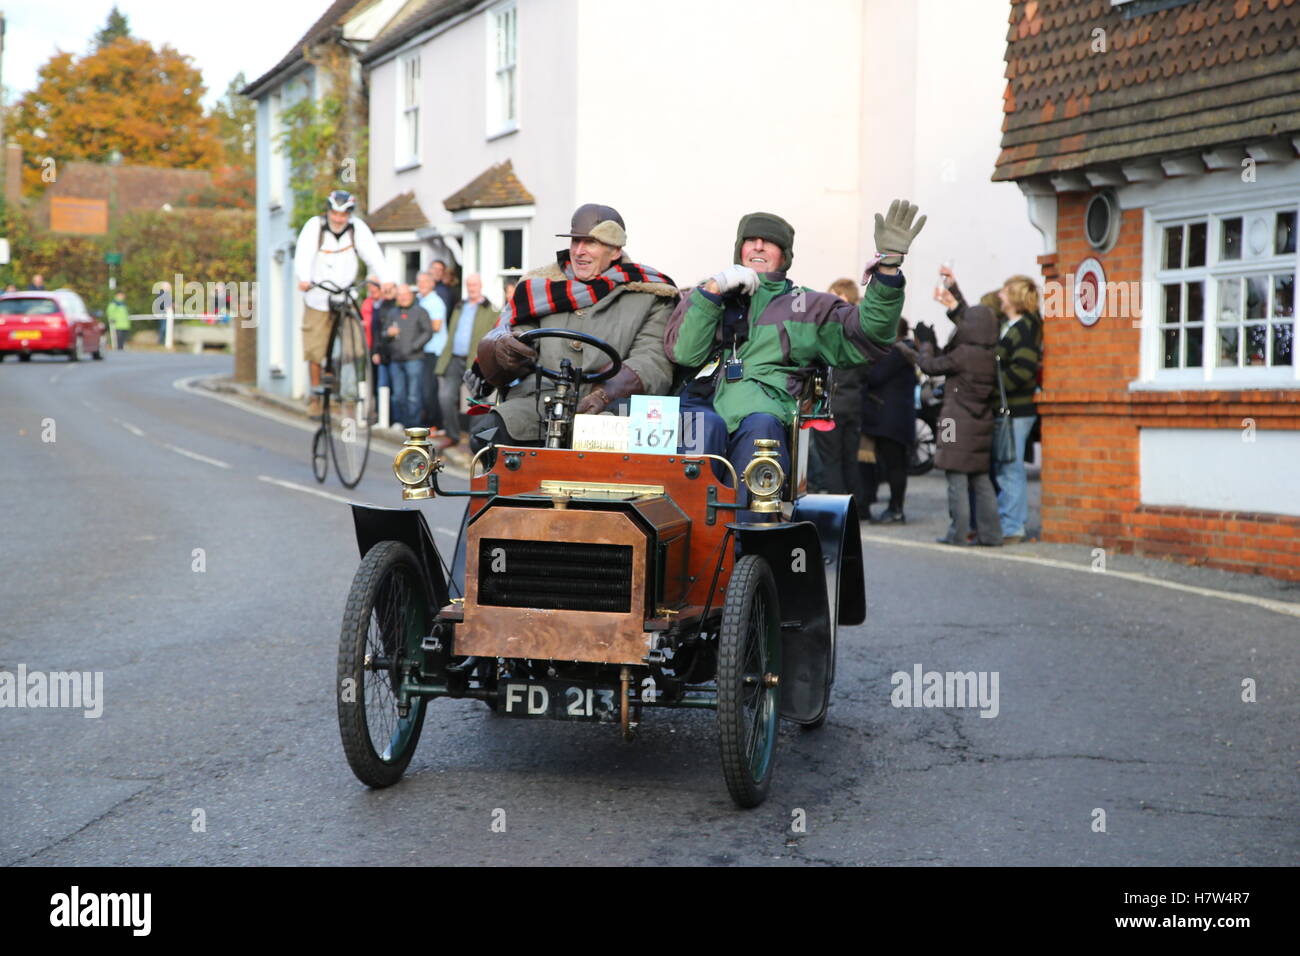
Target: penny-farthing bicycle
(347, 393)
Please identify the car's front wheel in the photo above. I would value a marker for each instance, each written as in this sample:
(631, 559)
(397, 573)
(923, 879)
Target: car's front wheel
(388, 614)
(749, 671)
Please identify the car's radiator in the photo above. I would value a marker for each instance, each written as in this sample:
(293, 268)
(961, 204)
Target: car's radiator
(552, 575)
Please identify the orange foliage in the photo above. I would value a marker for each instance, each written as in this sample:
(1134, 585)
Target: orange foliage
(126, 96)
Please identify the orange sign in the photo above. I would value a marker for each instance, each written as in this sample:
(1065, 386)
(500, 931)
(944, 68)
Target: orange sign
(86, 216)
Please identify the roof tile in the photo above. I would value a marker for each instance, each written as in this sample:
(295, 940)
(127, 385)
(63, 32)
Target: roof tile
(495, 186)
(1209, 53)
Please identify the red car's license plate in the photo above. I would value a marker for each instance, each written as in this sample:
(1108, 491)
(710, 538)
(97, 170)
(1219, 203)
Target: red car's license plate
(558, 700)
(25, 334)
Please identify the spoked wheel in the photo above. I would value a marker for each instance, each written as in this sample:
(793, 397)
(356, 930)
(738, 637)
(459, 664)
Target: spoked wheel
(921, 454)
(749, 668)
(352, 405)
(320, 455)
(388, 613)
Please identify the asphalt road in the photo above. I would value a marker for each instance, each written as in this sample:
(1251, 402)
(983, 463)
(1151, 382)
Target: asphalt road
(218, 688)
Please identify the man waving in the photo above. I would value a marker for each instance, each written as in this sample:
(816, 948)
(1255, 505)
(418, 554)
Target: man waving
(751, 337)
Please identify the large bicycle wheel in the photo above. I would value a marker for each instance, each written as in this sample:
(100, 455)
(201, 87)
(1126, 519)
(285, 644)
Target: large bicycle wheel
(749, 669)
(387, 615)
(351, 397)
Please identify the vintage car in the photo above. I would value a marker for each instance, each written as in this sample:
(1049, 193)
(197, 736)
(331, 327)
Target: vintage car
(596, 586)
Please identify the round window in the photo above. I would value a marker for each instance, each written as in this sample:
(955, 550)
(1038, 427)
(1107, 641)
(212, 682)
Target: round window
(1101, 221)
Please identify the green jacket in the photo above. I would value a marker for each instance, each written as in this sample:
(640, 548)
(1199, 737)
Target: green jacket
(118, 315)
(485, 317)
(791, 329)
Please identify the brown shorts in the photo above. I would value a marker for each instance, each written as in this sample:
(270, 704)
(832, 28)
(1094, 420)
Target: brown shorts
(315, 334)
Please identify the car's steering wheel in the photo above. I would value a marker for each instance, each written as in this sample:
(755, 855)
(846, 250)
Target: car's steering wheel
(585, 378)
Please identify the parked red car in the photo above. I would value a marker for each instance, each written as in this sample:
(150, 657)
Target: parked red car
(54, 321)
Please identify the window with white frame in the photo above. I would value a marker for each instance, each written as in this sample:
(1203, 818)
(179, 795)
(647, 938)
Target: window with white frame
(1226, 295)
(408, 134)
(503, 79)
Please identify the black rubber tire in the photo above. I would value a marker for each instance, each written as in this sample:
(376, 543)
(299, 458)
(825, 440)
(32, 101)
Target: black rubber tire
(75, 354)
(320, 456)
(921, 452)
(350, 407)
(750, 614)
(24, 356)
(387, 613)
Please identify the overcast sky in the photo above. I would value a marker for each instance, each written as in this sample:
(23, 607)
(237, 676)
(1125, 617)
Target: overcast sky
(222, 38)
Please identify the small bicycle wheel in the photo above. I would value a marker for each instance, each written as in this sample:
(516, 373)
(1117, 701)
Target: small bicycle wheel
(387, 615)
(320, 455)
(749, 669)
(351, 399)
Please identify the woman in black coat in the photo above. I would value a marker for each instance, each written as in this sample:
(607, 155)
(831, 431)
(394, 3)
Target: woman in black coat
(965, 437)
(889, 417)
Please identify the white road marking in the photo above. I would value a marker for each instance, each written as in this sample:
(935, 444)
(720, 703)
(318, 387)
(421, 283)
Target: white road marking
(293, 486)
(186, 385)
(1268, 604)
(129, 427)
(196, 456)
(451, 531)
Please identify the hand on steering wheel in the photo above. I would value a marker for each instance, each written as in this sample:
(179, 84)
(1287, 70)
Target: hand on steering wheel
(584, 378)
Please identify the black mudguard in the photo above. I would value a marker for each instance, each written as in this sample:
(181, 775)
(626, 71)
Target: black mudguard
(836, 519)
(793, 550)
(408, 526)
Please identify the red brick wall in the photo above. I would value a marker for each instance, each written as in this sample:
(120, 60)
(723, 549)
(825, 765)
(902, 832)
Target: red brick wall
(1090, 426)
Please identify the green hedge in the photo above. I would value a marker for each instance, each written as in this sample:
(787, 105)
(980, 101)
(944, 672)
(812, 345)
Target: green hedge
(203, 245)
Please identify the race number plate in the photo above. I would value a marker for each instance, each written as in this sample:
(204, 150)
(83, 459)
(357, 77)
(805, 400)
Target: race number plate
(558, 700)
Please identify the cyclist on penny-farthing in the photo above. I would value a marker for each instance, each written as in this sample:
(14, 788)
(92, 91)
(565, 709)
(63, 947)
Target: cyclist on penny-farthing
(327, 251)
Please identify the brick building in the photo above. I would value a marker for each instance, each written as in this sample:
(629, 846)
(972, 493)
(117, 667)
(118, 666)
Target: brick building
(1156, 142)
(113, 191)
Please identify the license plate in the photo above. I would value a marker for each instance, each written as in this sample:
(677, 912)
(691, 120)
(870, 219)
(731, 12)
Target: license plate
(557, 700)
(25, 334)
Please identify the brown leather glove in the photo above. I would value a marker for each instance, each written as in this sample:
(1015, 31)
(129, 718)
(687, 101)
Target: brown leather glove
(502, 358)
(626, 382)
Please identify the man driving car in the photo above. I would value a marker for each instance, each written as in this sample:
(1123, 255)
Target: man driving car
(592, 287)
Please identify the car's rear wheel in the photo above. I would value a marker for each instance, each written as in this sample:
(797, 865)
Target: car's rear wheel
(749, 669)
(388, 613)
(24, 356)
(76, 353)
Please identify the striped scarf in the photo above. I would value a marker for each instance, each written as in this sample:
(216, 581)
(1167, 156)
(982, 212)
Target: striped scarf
(535, 298)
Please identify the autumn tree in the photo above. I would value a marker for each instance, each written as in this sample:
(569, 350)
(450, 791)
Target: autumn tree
(125, 97)
(236, 123)
(234, 178)
(111, 30)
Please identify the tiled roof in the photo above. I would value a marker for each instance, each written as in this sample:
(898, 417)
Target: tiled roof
(414, 18)
(318, 31)
(495, 186)
(1186, 78)
(128, 188)
(400, 214)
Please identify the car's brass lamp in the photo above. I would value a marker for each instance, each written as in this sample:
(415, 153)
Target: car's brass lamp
(415, 464)
(764, 476)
